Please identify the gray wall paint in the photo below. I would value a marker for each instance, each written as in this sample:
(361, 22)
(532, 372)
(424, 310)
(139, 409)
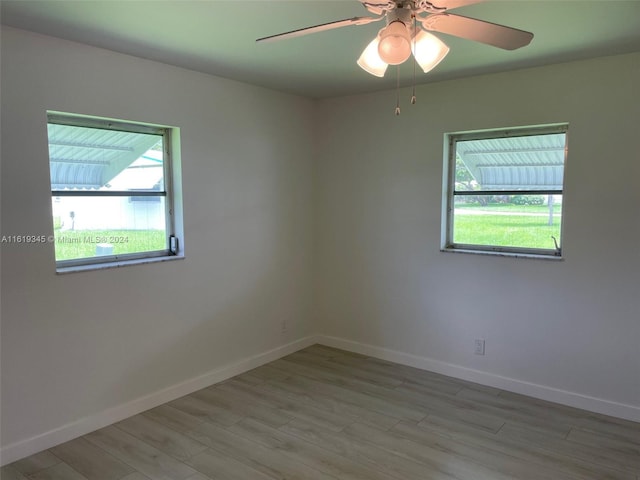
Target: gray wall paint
(381, 279)
(74, 345)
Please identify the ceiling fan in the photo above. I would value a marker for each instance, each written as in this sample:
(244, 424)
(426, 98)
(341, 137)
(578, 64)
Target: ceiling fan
(402, 36)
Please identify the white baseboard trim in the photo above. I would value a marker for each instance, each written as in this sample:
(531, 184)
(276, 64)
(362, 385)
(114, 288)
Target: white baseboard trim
(37, 443)
(572, 399)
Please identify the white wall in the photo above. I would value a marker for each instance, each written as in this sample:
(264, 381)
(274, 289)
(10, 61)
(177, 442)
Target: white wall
(572, 325)
(76, 345)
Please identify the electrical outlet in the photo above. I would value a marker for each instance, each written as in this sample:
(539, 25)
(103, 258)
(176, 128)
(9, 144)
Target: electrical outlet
(283, 326)
(479, 346)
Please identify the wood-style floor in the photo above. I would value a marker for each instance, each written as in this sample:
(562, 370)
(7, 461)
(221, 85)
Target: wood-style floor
(323, 414)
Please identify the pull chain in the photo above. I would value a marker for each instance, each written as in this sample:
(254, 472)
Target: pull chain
(415, 32)
(398, 90)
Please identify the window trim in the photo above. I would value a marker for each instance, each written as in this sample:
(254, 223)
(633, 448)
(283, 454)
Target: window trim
(449, 193)
(109, 261)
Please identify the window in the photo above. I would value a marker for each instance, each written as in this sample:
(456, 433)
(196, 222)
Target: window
(504, 191)
(111, 190)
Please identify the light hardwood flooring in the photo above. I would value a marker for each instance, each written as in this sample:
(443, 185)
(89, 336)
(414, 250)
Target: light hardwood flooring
(325, 414)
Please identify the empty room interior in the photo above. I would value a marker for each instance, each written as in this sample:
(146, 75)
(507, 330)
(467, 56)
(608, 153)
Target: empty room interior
(403, 244)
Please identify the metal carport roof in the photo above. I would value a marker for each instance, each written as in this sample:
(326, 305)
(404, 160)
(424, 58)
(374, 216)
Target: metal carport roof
(533, 162)
(88, 158)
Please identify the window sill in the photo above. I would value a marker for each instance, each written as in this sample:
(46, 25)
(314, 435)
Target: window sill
(117, 264)
(536, 256)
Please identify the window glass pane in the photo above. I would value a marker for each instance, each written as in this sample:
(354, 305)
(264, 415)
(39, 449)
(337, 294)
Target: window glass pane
(521, 221)
(87, 227)
(83, 158)
(506, 191)
(533, 162)
(145, 173)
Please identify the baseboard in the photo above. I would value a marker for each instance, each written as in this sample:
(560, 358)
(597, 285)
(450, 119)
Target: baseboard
(572, 399)
(35, 444)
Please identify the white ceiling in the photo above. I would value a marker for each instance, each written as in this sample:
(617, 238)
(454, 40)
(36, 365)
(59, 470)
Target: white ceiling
(218, 37)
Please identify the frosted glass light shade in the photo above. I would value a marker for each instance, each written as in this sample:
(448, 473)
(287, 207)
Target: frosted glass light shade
(370, 60)
(395, 44)
(428, 50)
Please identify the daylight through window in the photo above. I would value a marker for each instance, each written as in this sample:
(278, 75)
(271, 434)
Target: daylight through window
(111, 190)
(505, 191)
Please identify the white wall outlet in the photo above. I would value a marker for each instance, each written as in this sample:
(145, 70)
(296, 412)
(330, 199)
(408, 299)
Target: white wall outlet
(479, 346)
(283, 326)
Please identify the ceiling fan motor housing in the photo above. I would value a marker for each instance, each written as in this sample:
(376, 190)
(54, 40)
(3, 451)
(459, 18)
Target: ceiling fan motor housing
(399, 14)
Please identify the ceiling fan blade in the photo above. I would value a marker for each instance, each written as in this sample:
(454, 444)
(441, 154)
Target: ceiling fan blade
(442, 5)
(472, 29)
(321, 28)
(378, 7)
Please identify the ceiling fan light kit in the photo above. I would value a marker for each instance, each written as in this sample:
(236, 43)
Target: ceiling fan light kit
(402, 36)
(428, 50)
(370, 60)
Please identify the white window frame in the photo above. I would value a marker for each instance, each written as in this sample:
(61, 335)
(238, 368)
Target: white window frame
(451, 139)
(169, 143)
